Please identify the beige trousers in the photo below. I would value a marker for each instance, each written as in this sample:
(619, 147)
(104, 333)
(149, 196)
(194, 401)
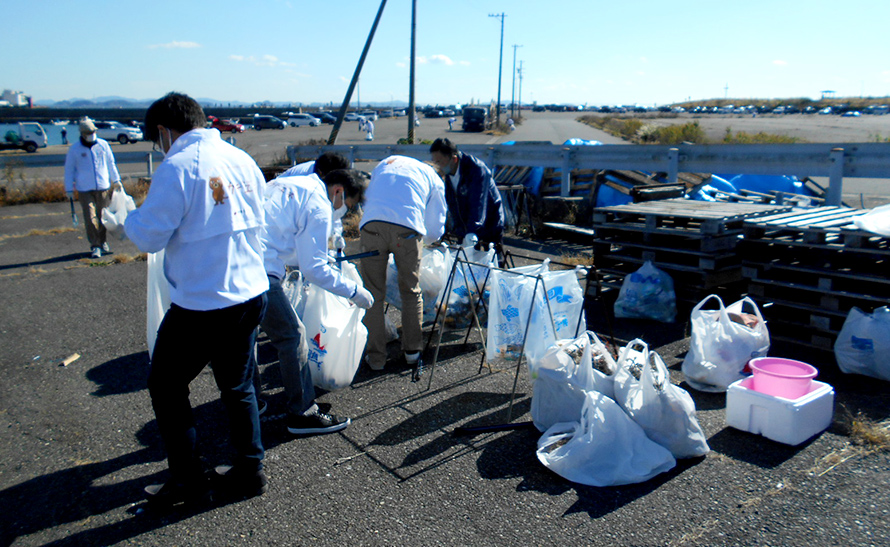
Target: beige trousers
(92, 203)
(405, 245)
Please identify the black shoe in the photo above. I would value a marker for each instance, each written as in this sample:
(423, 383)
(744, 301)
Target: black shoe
(237, 482)
(418, 370)
(173, 492)
(316, 424)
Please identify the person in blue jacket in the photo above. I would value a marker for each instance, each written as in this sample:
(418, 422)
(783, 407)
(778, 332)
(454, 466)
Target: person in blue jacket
(474, 202)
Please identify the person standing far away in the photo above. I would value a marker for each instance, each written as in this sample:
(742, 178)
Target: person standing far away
(474, 202)
(64, 135)
(90, 169)
(369, 127)
(451, 121)
(404, 208)
(205, 210)
(298, 216)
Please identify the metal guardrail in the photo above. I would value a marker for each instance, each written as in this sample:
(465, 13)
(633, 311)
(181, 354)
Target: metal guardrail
(832, 160)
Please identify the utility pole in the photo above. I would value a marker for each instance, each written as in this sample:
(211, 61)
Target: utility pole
(520, 89)
(412, 113)
(513, 94)
(358, 70)
(500, 64)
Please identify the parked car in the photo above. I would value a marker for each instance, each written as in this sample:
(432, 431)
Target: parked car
(325, 117)
(386, 114)
(353, 117)
(851, 114)
(225, 125)
(369, 115)
(116, 131)
(268, 122)
(297, 120)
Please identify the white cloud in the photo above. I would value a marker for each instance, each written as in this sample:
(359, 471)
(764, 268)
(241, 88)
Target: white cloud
(175, 45)
(464, 63)
(779, 62)
(441, 60)
(262, 60)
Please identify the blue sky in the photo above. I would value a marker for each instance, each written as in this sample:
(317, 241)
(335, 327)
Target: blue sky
(573, 51)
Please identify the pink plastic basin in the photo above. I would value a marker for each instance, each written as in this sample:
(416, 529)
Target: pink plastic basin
(781, 377)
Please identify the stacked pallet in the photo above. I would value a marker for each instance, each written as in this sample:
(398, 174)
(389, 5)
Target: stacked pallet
(695, 242)
(809, 267)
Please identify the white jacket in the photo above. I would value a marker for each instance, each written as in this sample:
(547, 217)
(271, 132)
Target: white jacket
(205, 207)
(409, 193)
(298, 217)
(90, 168)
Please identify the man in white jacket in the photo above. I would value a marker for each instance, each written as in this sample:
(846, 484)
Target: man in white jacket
(298, 217)
(404, 208)
(205, 209)
(90, 169)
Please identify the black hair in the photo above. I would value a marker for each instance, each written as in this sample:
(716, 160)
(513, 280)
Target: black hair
(353, 183)
(444, 146)
(175, 111)
(329, 161)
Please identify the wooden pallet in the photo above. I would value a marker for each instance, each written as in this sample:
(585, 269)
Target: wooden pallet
(706, 261)
(682, 275)
(694, 241)
(682, 216)
(829, 227)
(811, 296)
(839, 281)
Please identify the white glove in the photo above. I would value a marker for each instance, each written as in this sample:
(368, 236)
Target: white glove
(339, 243)
(470, 240)
(362, 298)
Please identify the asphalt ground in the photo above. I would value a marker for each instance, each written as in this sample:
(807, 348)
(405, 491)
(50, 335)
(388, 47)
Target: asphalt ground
(79, 442)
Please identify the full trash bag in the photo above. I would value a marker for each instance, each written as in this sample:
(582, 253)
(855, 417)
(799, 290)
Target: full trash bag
(115, 214)
(512, 295)
(876, 221)
(561, 378)
(605, 448)
(863, 345)
(435, 266)
(722, 343)
(335, 334)
(157, 298)
(665, 411)
(647, 293)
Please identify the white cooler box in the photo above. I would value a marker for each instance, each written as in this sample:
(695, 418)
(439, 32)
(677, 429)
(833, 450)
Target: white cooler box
(784, 420)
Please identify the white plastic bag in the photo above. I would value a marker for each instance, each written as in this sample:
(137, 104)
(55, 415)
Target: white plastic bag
(606, 448)
(876, 221)
(115, 214)
(510, 304)
(863, 345)
(293, 290)
(719, 347)
(563, 377)
(335, 334)
(157, 298)
(665, 412)
(470, 284)
(647, 293)
(564, 303)
(435, 266)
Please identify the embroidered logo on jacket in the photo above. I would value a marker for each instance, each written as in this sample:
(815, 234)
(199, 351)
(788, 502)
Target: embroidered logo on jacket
(219, 191)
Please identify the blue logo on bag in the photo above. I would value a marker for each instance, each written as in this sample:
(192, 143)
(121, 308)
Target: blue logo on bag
(510, 312)
(862, 344)
(557, 294)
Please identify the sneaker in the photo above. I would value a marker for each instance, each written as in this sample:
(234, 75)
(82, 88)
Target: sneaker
(106, 248)
(235, 481)
(373, 366)
(97, 252)
(173, 492)
(318, 423)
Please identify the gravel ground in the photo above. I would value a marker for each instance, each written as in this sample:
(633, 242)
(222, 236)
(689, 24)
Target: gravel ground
(78, 443)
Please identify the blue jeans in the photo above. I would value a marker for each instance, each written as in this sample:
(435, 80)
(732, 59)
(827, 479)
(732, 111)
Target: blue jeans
(187, 340)
(287, 333)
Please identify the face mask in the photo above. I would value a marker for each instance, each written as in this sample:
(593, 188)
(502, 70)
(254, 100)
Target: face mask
(160, 144)
(90, 137)
(340, 211)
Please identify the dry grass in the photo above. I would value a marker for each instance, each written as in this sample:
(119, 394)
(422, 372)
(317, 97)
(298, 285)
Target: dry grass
(864, 431)
(116, 259)
(50, 232)
(350, 225)
(576, 259)
(15, 189)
